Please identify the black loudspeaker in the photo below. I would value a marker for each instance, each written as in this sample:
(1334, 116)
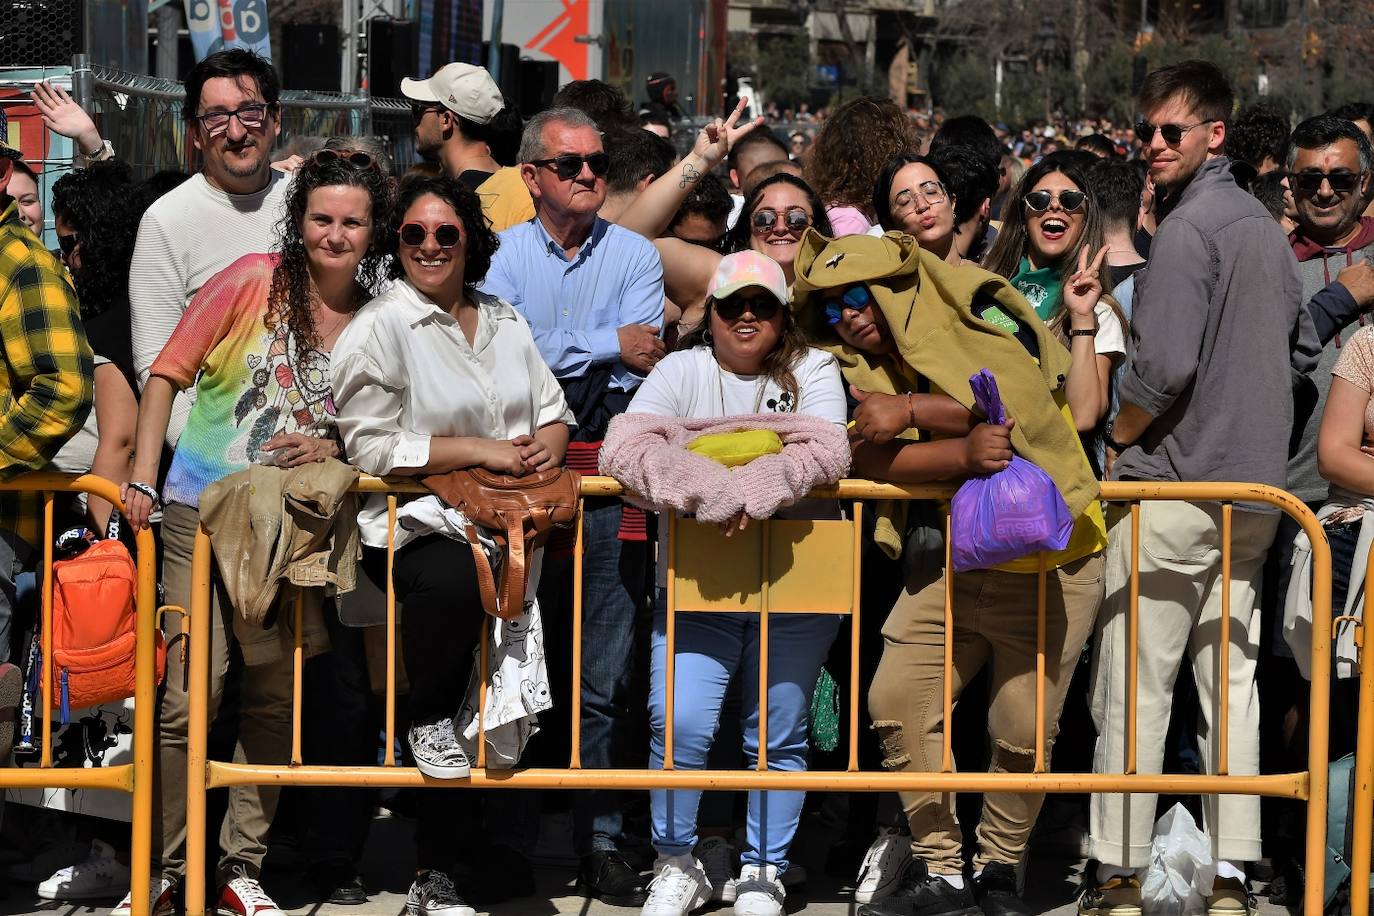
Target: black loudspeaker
(310, 57)
(40, 33)
(510, 69)
(392, 55)
(538, 83)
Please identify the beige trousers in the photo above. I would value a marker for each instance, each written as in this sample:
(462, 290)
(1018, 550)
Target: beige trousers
(994, 624)
(264, 728)
(1180, 615)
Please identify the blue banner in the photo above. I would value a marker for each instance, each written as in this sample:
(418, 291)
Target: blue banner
(218, 24)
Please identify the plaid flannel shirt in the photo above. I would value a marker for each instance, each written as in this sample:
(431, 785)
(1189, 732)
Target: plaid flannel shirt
(46, 368)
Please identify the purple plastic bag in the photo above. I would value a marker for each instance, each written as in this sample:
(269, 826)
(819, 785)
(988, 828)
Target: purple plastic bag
(1009, 514)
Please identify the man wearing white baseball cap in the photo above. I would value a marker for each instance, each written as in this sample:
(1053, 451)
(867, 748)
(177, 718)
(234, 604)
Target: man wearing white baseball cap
(452, 112)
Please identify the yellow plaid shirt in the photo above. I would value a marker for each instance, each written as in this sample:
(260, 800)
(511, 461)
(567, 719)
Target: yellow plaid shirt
(46, 367)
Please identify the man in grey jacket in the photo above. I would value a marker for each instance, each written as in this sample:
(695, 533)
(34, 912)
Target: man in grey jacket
(1207, 397)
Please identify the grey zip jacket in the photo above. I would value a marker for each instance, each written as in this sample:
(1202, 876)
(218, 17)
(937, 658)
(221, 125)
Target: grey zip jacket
(1213, 331)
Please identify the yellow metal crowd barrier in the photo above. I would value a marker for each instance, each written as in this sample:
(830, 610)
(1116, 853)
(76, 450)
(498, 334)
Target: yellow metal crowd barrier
(824, 580)
(1362, 803)
(135, 777)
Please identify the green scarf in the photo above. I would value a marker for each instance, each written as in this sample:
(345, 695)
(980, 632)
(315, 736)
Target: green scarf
(1042, 288)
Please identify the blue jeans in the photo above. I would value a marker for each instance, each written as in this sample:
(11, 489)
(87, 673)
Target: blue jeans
(615, 580)
(710, 649)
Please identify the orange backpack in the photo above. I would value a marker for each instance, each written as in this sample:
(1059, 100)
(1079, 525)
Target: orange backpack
(94, 626)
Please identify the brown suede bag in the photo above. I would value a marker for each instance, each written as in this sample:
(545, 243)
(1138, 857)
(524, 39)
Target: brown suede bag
(520, 513)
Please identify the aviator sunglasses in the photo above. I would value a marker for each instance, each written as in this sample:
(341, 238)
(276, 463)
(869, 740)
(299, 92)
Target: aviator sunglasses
(568, 166)
(446, 235)
(795, 220)
(1069, 201)
(856, 296)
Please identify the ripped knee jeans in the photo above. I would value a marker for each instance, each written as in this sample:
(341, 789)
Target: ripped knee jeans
(994, 625)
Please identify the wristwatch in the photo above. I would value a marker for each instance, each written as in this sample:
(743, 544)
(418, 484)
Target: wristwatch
(1110, 442)
(102, 152)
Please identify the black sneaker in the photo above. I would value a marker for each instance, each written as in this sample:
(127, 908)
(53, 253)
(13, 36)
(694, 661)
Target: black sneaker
(995, 890)
(337, 882)
(609, 878)
(432, 894)
(924, 894)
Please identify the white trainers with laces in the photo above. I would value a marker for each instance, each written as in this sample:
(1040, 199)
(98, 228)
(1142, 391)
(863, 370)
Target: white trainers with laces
(718, 858)
(98, 876)
(160, 892)
(433, 894)
(436, 751)
(759, 891)
(244, 896)
(884, 864)
(679, 886)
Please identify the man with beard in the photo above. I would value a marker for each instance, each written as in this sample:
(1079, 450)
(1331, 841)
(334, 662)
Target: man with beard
(230, 209)
(453, 112)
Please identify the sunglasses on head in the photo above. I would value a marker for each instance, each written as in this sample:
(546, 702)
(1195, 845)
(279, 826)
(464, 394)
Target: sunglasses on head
(732, 308)
(1311, 182)
(856, 296)
(1172, 133)
(1069, 201)
(354, 157)
(68, 243)
(446, 235)
(794, 220)
(568, 166)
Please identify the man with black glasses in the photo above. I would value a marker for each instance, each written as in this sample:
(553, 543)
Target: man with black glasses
(1207, 397)
(230, 209)
(592, 292)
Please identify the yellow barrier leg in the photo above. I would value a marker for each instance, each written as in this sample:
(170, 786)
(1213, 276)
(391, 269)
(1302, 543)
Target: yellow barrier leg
(198, 730)
(670, 647)
(1133, 642)
(855, 622)
(579, 547)
(1040, 611)
(1224, 666)
(947, 752)
(1364, 774)
(1319, 713)
(390, 752)
(45, 755)
(145, 703)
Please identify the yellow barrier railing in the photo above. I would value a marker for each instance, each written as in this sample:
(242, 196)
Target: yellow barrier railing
(1362, 803)
(1309, 785)
(135, 777)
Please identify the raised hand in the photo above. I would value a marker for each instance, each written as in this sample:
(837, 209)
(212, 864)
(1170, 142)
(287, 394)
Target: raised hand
(716, 139)
(63, 116)
(1085, 286)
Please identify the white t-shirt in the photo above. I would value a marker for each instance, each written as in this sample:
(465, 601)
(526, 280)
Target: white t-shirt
(403, 373)
(691, 384)
(1111, 334)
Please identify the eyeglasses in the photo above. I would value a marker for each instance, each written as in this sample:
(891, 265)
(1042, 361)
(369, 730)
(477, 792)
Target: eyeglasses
(251, 116)
(1310, 182)
(446, 235)
(932, 192)
(795, 220)
(569, 166)
(354, 157)
(1069, 201)
(1172, 133)
(418, 109)
(732, 308)
(68, 243)
(856, 296)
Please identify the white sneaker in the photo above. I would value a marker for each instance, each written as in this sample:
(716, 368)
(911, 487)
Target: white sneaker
(244, 896)
(99, 876)
(48, 860)
(433, 894)
(436, 751)
(718, 858)
(159, 893)
(883, 866)
(679, 886)
(759, 891)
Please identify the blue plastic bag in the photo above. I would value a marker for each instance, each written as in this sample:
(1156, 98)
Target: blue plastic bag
(1009, 514)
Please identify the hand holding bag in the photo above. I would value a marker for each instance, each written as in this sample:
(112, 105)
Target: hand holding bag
(519, 513)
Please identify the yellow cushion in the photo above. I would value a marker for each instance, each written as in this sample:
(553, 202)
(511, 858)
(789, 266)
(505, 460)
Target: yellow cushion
(734, 449)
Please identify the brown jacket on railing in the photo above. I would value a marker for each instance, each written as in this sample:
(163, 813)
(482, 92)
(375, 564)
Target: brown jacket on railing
(269, 524)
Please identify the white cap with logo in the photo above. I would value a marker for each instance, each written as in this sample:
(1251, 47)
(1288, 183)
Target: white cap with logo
(461, 88)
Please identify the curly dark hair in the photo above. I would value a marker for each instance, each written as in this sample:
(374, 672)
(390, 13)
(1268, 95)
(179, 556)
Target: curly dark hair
(290, 297)
(481, 241)
(96, 203)
(856, 142)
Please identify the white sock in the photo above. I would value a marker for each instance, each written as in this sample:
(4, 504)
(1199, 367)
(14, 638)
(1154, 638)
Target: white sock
(954, 881)
(1229, 869)
(1107, 872)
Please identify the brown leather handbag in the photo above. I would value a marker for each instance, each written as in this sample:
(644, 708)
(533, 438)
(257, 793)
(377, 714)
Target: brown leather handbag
(520, 513)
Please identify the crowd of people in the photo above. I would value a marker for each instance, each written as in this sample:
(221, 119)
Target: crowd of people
(1178, 300)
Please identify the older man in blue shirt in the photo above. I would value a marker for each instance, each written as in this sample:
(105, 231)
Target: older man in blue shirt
(593, 295)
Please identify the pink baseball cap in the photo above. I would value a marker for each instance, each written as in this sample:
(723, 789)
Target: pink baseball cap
(748, 268)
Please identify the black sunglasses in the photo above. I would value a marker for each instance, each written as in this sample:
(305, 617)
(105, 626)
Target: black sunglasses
(68, 243)
(569, 166)
(354, 157)
(446, 235)
(418, 109)
(1069, 201)
(795, 220)
(1172, 133)
(733, 308)
(1311, 182)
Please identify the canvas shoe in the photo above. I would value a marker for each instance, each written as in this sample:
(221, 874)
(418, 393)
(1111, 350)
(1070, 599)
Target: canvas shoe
(883, 866)
(679, 886)
(436, 751)
(433, 894)
(160, 894)
(759, 891)
(98, 876)
(244, 896)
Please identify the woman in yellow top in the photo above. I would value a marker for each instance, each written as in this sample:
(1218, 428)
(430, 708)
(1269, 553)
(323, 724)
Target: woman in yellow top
(901, 318)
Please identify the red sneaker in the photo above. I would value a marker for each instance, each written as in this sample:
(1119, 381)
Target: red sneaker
(244, 896)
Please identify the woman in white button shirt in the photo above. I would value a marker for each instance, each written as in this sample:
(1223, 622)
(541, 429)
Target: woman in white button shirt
(430, 377)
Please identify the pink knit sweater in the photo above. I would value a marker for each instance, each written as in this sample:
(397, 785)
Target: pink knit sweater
(648, 455)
